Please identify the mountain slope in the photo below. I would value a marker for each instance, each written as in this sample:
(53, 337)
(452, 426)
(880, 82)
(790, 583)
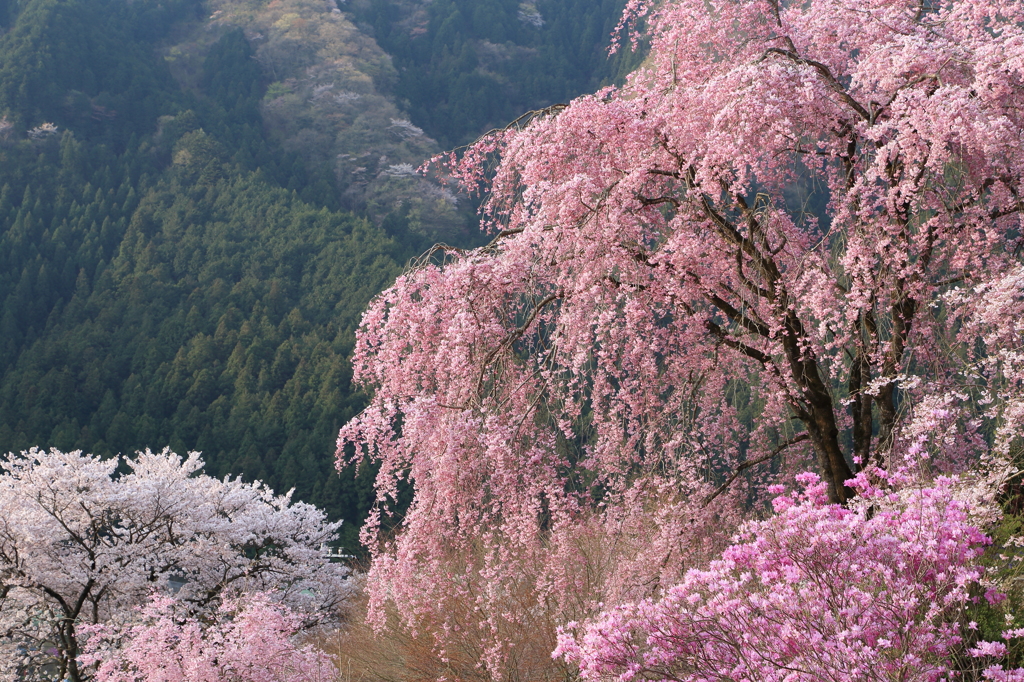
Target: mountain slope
(196, 203)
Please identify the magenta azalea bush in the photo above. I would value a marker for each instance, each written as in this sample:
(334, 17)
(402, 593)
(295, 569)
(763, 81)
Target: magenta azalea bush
(815, 592)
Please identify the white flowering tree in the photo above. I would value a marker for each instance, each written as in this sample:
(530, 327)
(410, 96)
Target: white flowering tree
(86, 541)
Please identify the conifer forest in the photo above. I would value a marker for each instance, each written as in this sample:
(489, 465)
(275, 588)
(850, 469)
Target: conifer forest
(501, 341)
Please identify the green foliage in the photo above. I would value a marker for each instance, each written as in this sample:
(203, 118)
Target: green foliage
(466, 66)
(87, 64)
(1004, 563)
(7, 11)
(222, 324)
(209, 311)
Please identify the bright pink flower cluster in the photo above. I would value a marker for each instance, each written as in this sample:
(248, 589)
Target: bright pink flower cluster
(816, 592)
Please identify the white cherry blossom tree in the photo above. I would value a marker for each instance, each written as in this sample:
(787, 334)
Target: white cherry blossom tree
(86, 541)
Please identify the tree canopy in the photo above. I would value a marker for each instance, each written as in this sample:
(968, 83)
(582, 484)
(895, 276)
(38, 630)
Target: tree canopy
(734, 267)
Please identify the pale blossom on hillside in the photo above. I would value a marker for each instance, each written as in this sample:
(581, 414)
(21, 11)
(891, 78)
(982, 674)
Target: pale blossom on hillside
(81, 543)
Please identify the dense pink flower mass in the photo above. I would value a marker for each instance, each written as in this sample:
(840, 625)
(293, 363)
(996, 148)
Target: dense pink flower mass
(746, 260)
(246, 642)
(816, 592)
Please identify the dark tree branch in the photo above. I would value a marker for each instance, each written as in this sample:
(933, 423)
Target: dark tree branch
(833, 84)
(754, 462)
(732, 342)
(514, 336)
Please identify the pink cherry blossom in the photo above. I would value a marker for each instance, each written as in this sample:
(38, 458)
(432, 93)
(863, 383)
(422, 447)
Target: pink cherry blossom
(248, 640)
(736, 266)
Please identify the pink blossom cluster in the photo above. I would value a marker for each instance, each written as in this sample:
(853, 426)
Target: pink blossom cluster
(992, 312)
(815, 592)
(249, 640)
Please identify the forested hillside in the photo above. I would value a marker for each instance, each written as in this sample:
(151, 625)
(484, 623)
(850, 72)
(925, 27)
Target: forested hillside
(197, 200)
(465, 66)
(171, 275)
(327, 103)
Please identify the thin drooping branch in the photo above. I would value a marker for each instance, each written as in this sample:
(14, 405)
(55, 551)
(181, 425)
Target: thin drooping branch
(754, 462)
(514, 336)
